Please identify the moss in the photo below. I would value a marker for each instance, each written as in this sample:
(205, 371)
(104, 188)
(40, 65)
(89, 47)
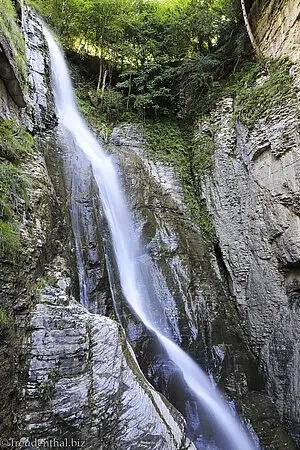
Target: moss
(13, 191)
(4, 320)
(150, 225)
(260, 88)
(203, 150)
(15, 142)
(175, 146)
(10, 29)
(46, 390)
(9, 239)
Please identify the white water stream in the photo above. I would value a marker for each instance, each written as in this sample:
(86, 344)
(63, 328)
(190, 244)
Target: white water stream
(126, 251)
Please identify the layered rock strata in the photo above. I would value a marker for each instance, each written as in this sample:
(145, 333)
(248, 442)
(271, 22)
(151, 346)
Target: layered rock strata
(253, 195)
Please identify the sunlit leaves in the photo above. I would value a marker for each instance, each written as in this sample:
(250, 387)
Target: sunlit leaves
(161, 51)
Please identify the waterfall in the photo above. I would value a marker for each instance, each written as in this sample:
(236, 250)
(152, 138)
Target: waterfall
(133, 280)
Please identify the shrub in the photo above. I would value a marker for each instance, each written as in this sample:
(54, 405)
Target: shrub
(12, 189)
(113, 104)
(9, 239)
(15, 142)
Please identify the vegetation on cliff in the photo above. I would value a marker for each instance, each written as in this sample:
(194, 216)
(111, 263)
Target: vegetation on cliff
(152, 61)
(10, 32)
(166, 64)
(260, 87)
(15, 144)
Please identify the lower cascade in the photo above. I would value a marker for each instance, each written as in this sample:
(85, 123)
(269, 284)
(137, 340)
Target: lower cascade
(229, 433)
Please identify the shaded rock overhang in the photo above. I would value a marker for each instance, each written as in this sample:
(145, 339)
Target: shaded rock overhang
(9, 77)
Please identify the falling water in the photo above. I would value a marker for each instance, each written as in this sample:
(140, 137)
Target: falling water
(127, 250)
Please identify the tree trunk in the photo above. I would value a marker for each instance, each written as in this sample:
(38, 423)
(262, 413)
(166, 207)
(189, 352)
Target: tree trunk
(249, 31)
(104, 81)
(102, 89)
(129, 92)
(100, 69)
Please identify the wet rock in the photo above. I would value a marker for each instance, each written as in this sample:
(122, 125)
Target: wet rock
(188, 286)
(40, 101)
(84, 381)
(64, 371)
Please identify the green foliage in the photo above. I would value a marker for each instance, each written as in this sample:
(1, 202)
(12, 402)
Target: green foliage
(86, 105)
(9, 240)
(112, 105)
(100, 110)
(10, 29)
(162, 56)
(170, 143)
(261, 87)
(15, 142)
(165, 142)
(44, 281)
(202, 151)
(46, 389)
(12, 192)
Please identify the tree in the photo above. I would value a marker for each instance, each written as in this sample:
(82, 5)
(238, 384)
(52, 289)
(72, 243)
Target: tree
(161, 54)
(249, 31)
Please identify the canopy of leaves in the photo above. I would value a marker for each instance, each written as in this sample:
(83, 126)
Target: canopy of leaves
(161, 55)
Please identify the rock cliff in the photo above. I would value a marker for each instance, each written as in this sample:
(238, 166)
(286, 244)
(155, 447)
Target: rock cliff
(84, 382)
(200, 311)
(276, 27)
(253, 196)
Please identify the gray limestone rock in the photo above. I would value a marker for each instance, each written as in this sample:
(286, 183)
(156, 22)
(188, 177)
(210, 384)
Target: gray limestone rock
(84, 381)
(65, 373)
(253, 194)
(189, 281)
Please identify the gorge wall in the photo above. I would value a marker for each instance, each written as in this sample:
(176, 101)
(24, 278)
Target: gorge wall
(69, 373)
(253, 196)
(276, 27)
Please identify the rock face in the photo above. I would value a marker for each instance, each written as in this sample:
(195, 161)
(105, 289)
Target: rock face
(253, 194)
(39, 225)
(9, 78)
(84, 382)
(276, 27)
(188, 278)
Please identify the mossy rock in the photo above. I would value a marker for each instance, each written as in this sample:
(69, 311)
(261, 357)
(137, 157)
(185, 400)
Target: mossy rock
(15, 142)
(15, 145)
(261, 88)
(10, 32)
(175, 146)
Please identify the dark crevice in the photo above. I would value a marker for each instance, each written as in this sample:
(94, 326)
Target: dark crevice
(223, 269)
(12, 84)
